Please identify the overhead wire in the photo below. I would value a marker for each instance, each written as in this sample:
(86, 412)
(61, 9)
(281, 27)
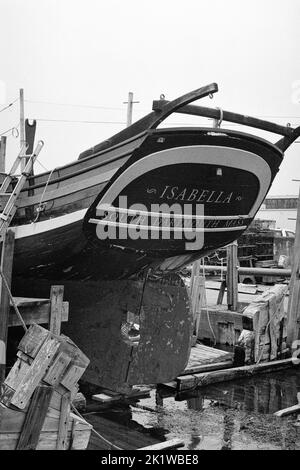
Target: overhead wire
(79, 121)
(75, 105)
(9, 105)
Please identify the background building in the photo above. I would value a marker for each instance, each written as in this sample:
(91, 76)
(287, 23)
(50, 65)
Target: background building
(282, 209)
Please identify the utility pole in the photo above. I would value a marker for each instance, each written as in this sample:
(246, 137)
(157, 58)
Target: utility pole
(129, 103)
(2, 153)
(22, 126)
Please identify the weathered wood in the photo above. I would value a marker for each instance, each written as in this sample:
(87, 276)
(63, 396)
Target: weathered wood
(288, 411)
(57, 369)
(267, 314)
(105, 398)
(79, 402)
(219, 318)
(221, 293)
(56, 299)
(208, 378)
(35, 418)
(81, 432)
(35, 373)
(6, 267)
(170, 444)
(63, 422)
(229, 116)
(33, 340)
(232, 277)
(293, 321)
(207, 367)
(32, 312)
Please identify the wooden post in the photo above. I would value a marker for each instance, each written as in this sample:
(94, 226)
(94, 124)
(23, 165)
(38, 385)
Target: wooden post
(2, 153)
(232, 276)
(56, 299)
(293, 314)
(6, 266)
(35, 418)
(63, 422)
(198, 296)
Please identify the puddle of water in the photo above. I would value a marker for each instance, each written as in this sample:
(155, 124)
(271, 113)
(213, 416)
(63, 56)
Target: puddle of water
(230, 415)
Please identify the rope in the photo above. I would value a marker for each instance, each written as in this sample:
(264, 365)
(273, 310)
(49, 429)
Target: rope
(40, 206)
(94, 431)
(13, 300)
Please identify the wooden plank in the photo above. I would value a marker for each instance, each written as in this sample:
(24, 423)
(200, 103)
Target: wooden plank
(293, 314)
(81, 433)
(56, 300)
(72, 376)
(207, 367)
(288, 411)
(105, 398)
(208, 378)
(17, 373)
(33, 340)
(6, 267)
(36, 372)
(221, 293)
(35, 418)
(63, 422)
(170, 444)
(79, 402)
(229, 116)
(57, 368)
(39, 314)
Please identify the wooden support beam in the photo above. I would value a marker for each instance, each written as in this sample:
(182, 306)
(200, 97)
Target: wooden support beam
(35, 418)
(64, 422)
(35, 312)
(293, 314)
(290, 410)
(232, 277)
(199, 380)
(56, 299)
(6, 267)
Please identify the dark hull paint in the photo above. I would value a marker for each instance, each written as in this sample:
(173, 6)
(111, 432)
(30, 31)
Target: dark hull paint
(74, 251)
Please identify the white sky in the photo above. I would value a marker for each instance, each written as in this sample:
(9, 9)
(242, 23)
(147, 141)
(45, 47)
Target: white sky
(94, 52)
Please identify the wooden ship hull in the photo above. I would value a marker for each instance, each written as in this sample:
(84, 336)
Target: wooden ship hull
(70, 223)
(138, 208)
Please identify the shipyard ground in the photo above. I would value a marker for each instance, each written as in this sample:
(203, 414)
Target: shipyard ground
(235, 415)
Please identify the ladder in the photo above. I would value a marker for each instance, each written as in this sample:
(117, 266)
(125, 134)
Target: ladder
(9, 199)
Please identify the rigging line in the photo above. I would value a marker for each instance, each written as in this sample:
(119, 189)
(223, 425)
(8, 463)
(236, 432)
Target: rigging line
(84, 122)
(41, 206)
(40, 163)
(75, 105)
(9, 105)
(11, 129)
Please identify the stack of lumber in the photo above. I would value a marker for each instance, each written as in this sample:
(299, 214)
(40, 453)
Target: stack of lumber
(36, 396)
(269, 323)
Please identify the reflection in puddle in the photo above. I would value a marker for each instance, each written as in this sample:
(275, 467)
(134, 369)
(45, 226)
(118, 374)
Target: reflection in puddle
(227, 416)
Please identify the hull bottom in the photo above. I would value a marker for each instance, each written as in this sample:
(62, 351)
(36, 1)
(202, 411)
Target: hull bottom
(132, 332)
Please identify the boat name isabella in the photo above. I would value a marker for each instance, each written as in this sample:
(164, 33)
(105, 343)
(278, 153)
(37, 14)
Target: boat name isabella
(175, 193)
